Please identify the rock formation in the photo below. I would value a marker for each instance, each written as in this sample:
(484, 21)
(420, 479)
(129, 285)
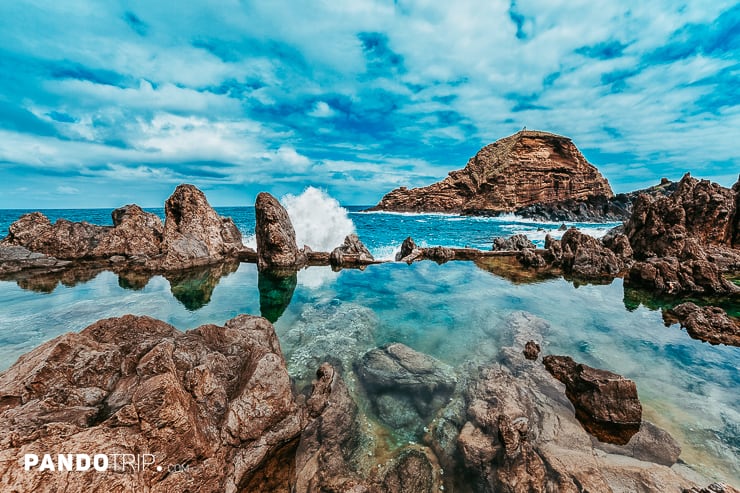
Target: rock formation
(193, 235)
(351, 252)
(523, 169)
(276, 245)
(215, 400)
(708, 323)
(512, 243)
(606, 403)
(684, 242)
(17, 258)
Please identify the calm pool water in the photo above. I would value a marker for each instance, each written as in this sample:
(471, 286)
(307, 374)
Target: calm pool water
(454, 312)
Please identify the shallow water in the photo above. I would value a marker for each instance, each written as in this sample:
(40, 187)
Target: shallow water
(453, 312)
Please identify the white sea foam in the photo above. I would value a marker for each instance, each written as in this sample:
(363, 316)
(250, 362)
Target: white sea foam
(318, 219)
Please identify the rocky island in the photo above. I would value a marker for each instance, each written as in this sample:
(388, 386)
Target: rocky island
(513, 173)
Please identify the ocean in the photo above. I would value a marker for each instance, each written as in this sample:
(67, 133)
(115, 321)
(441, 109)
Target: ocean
(455, 312)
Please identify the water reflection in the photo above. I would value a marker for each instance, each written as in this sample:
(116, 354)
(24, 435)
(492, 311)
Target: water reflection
(276, 291)
(194, 287)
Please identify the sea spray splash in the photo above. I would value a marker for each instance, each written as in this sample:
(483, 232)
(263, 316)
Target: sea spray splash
(318, 219)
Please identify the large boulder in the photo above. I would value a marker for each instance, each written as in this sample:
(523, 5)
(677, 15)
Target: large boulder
(406, 387)
(276, 244)
(194, 234)
(213, 401)
(708, 323)
(606, 403)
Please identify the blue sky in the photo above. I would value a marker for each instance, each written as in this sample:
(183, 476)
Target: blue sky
(108, 103)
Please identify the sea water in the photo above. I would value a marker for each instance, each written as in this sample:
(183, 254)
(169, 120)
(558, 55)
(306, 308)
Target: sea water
(454, 312)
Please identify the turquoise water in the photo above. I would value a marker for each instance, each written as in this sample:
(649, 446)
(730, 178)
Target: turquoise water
(454, 312)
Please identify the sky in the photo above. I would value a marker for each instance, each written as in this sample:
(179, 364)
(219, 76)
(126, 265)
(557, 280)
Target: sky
(108, 103)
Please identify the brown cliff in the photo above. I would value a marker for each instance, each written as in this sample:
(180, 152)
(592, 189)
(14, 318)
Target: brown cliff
(521, 170)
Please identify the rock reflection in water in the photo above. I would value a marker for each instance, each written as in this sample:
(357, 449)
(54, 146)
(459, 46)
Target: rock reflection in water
(194, 287)
(276, 290)
(47, 282)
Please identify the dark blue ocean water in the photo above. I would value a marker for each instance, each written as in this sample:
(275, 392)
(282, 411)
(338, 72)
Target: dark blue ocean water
(455, 312)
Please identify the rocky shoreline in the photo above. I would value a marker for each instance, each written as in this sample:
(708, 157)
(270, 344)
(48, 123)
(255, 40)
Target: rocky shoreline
(219, 400)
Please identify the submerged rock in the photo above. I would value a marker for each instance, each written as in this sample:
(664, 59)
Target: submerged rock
(405, 386)
(709, 323)
(606, 403)
(276, 244)
(276, 292)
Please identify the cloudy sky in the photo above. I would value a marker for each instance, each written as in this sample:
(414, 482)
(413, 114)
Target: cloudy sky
(107, 103)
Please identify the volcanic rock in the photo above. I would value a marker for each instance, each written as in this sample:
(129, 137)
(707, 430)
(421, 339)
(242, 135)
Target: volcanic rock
(408, 248)
(708, 323)
(531, 350)
(276, 244)
(606, 403)
(135, 232)
(64, 239)
(194, 234)
(514, 242)
(699, 209)
(215, 399)
(351, 252)
(523, 169)
(322, 461)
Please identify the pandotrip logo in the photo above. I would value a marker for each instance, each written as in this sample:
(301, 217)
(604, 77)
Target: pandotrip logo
(119, 463)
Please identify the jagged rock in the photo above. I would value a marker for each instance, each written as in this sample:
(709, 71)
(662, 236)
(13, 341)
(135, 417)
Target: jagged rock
(194, 234)
(674, 276)
(606, 403)
(217, 399)
(64, 239)
(134, 232)
(531, 350)
(526, 168)
(597, 208)
(698, 209)
(405, 386)
(439, 254)
(584, 256)
(408, 248)
(322, 461)
(709, 323)
(276, 245)
(352, 252)
(515, 242)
